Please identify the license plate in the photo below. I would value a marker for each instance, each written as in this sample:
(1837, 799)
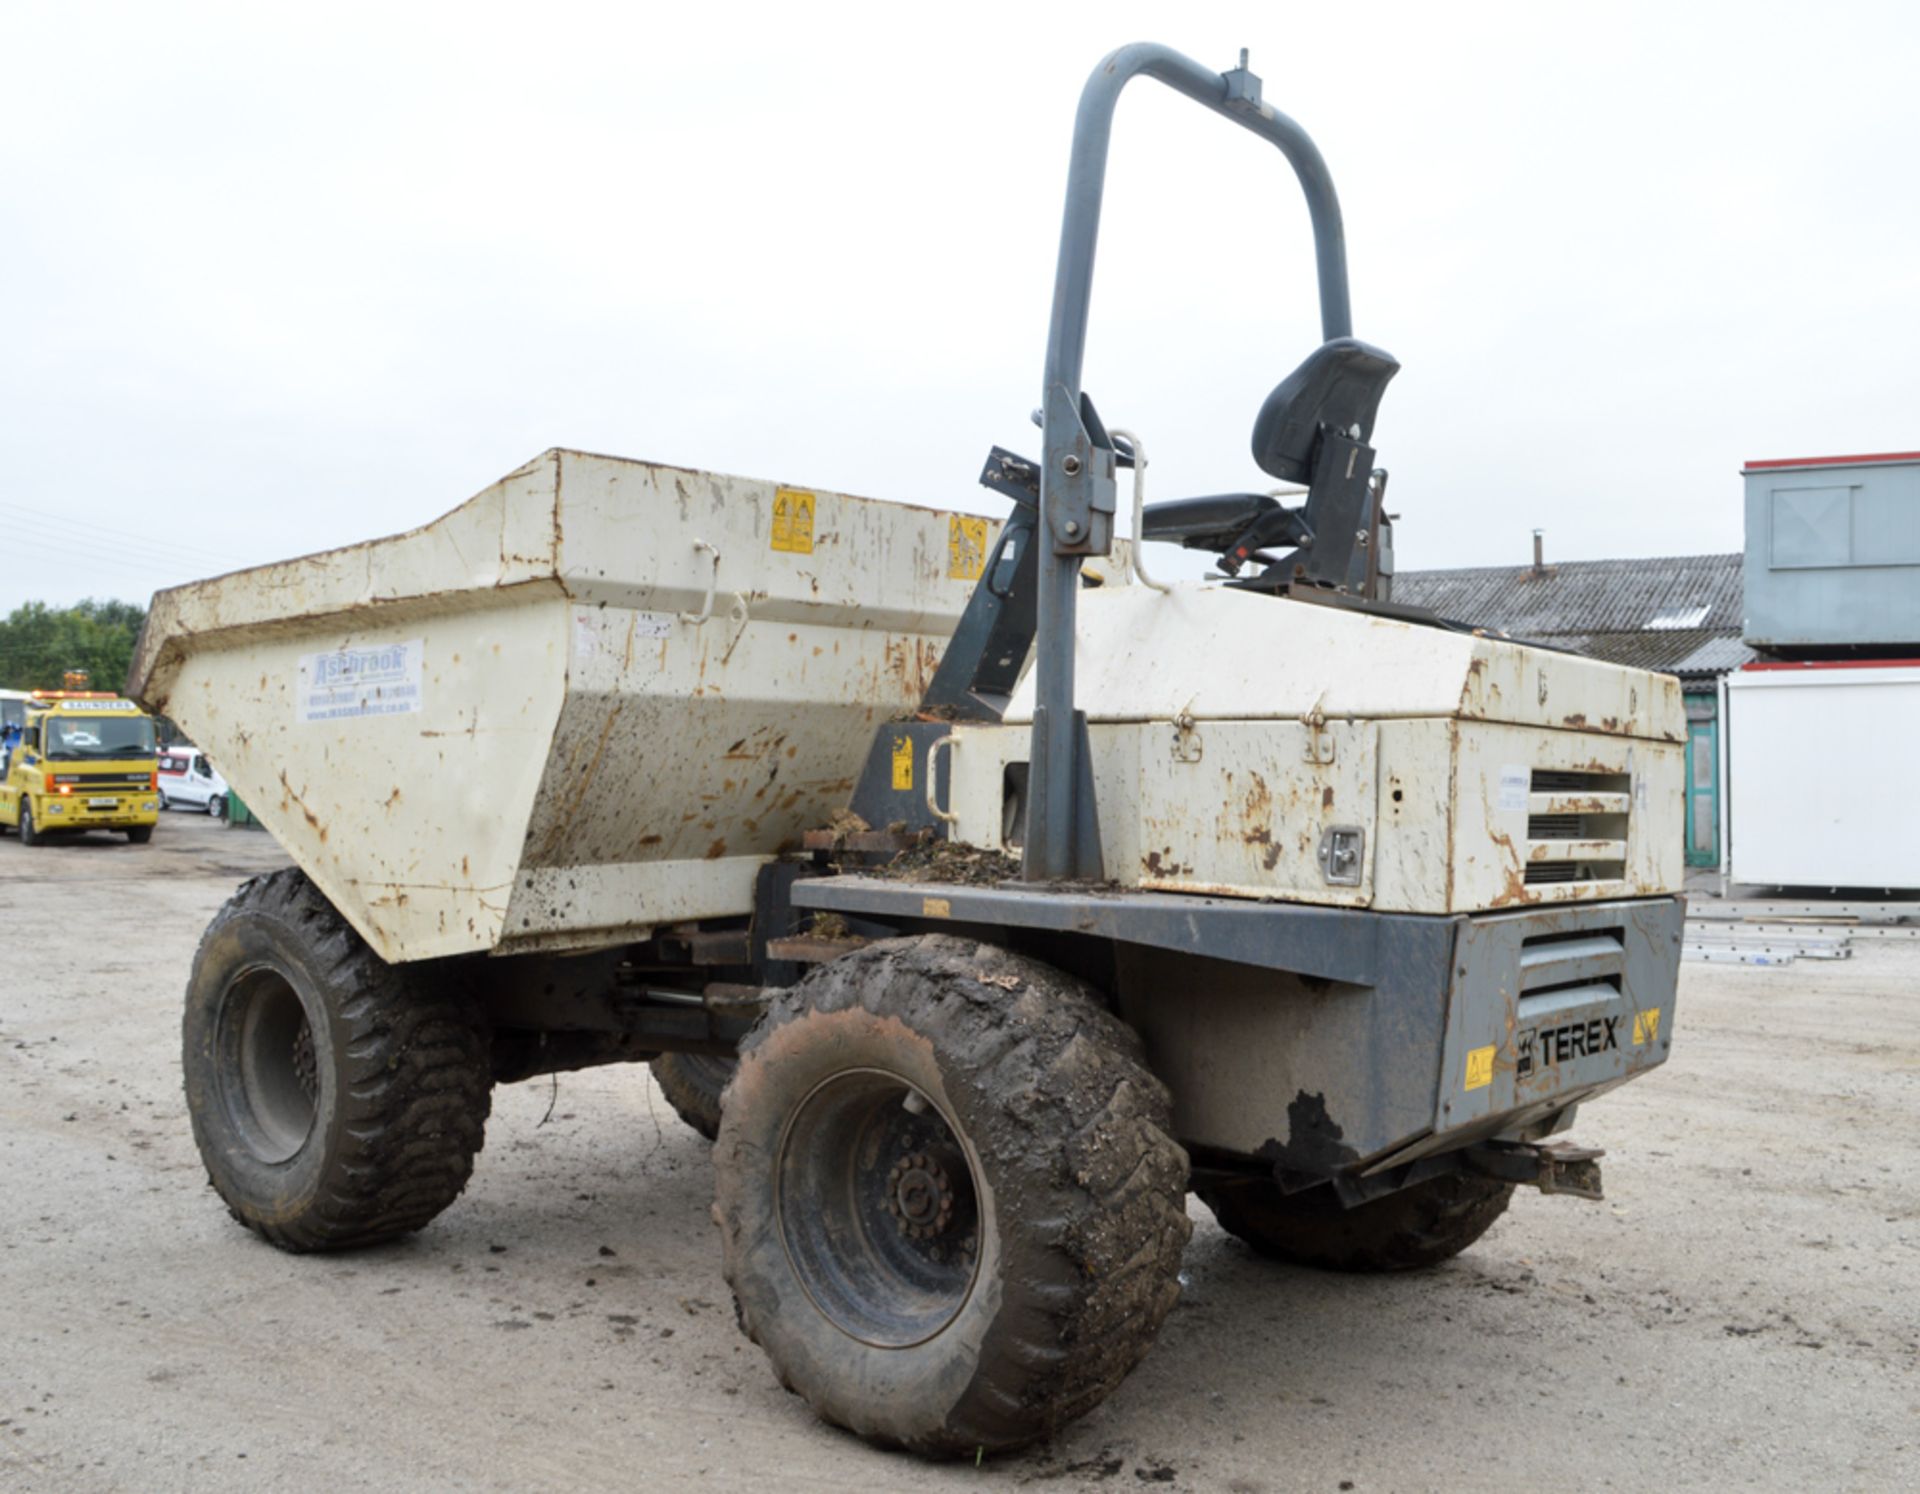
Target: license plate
(103, 803)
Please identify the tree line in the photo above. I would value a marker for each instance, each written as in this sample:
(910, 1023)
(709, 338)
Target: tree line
(39, 644)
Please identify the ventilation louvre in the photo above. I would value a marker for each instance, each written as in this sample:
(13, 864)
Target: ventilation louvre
(1577, 826)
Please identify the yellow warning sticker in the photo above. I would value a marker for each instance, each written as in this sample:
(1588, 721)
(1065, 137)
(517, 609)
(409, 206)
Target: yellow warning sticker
(966, 547)
(935, 907)
(1646, 1026)
(1480, 1067)
(793, 521)
(902, 763)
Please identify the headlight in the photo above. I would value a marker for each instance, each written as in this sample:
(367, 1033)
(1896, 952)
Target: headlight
(56, 809)
(151, 804)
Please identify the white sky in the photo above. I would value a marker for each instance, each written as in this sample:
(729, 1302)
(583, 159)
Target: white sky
(277, 279)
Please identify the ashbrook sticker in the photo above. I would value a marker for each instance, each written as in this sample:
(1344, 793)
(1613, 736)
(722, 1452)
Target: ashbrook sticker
(380, 680)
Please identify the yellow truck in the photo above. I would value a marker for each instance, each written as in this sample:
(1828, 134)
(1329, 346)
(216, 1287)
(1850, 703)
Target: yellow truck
(85, 760)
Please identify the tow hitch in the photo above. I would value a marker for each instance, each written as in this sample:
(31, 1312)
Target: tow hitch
(1550, 1166)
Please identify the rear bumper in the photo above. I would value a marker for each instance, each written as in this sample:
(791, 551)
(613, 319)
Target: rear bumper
(1547, 1008)
(1486, 1027)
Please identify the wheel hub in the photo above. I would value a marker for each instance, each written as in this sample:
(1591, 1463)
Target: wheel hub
(270, 1071)
(879, 1208)
(306, 1071)
(919, 1196)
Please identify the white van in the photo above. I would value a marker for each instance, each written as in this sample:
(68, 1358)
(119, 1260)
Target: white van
(188, 781)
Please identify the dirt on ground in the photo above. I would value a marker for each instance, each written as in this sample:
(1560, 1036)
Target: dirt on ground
(1741, 1312)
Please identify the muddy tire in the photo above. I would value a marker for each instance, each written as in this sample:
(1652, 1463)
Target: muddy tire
(692, 1083)
(336, 1100)
(1418, 1226)
(950, 1208)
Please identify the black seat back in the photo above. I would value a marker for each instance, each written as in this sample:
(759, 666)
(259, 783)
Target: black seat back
(1337, 388)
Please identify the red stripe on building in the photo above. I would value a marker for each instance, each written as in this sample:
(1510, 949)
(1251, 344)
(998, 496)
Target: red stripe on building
(1833, 461)
(1832, 664)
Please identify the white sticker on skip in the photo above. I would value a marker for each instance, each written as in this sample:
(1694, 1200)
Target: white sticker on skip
(380, 679)
(1515, 784)
(652, 624)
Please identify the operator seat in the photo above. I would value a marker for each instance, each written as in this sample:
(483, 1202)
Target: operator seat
(1338, 388)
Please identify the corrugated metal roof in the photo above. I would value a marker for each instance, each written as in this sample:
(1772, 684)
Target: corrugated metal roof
(1678, 614)
(1682, 653)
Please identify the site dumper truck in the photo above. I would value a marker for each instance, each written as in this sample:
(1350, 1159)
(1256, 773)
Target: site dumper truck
(84, 761)
(984, 894)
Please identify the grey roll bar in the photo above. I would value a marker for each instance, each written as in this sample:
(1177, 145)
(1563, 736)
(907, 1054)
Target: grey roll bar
(1077, 471)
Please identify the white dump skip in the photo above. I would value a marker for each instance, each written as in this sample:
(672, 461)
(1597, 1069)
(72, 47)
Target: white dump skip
(593, 699)
(1819, 778)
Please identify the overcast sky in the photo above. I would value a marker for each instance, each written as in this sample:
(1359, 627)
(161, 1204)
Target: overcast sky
(278, 278)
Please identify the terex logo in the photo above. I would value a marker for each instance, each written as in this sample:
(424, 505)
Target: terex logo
(1552, 1045)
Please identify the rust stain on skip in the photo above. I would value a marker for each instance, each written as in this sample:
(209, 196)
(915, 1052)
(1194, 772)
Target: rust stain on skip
(557, 836)
(312, 819)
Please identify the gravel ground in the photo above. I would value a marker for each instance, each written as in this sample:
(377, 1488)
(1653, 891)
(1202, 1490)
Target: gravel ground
(1744, 1311)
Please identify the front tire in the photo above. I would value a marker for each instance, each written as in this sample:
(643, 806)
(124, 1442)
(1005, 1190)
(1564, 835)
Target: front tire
(337, 1100)
(950, 1208)
(1418, 1226)
(29, 833)
(139, 835)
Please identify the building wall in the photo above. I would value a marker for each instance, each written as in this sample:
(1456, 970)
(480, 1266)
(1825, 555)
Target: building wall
(1833, 553)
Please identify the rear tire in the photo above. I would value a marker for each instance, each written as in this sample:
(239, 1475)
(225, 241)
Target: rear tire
(983, 1209)
(140, 835)
(1418, 1226)
(692, 1083)
(336, 1100)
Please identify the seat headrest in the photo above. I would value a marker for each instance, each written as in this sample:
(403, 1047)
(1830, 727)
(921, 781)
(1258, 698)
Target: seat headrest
(1337, 388)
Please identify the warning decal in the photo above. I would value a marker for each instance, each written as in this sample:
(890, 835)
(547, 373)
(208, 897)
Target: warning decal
(1480, 1067)
(1646, 1026)
(793, 521)
(902, 763)
(966, 547)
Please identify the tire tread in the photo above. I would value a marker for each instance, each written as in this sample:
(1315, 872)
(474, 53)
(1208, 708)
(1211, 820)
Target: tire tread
(414, 1082)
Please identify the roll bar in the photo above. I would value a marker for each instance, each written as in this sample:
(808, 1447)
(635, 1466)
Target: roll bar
(1077, 471)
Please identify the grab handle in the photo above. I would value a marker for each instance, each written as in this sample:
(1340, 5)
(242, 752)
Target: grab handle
(713, 583)
(933, 807)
